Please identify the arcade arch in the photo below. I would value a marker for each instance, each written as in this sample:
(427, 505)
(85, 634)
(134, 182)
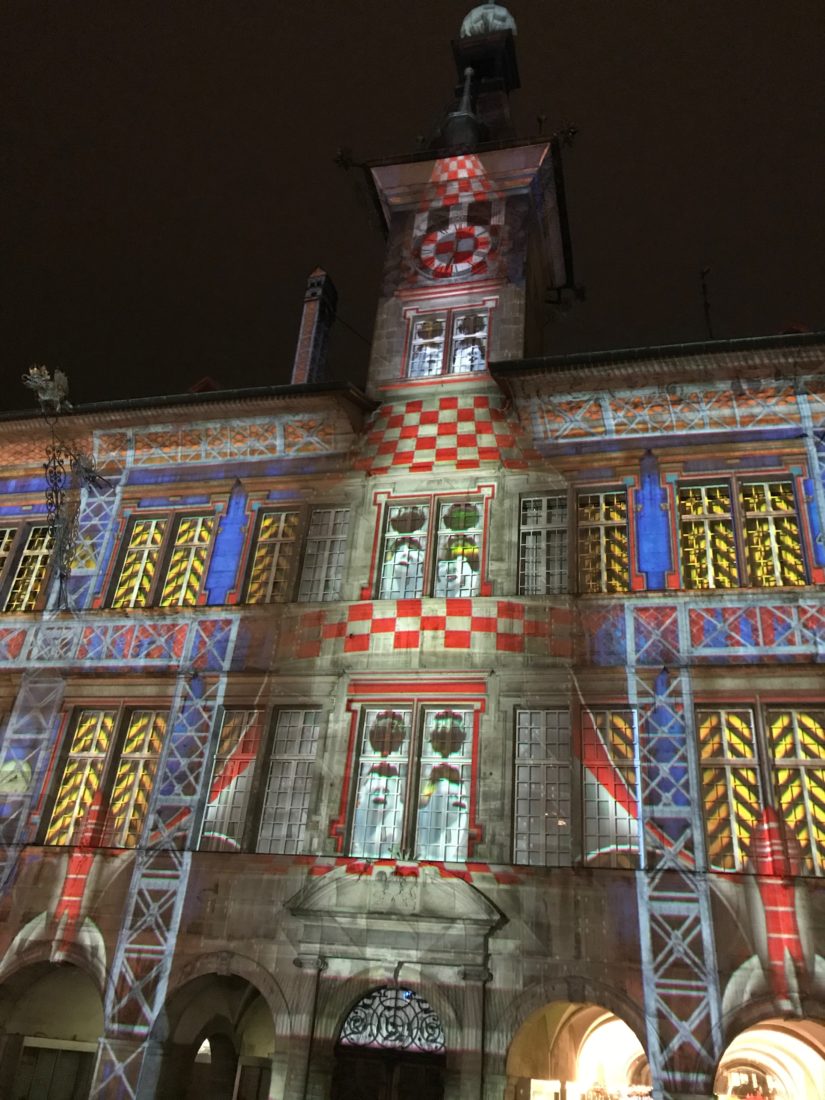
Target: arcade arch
(219, 1042)
(566, 1051)
(52, 1018)
(774, 1060)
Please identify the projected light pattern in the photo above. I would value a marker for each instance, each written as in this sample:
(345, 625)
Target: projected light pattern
(31, 571)
(393, 1019)
(184, 575)
(274, 552)
(603, 542)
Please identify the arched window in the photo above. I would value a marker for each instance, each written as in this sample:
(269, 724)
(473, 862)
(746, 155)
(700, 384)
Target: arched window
(393, 1019)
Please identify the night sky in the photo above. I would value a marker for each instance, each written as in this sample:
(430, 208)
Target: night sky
(168, 176)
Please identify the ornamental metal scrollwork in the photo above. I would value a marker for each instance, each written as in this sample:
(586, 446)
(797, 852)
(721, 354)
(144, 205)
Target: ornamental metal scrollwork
(396, 1019)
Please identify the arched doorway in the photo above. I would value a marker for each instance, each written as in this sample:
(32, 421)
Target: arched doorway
(50, 1031)
(390, 1047)
(774, 1060)
(220, 1042)
(567, 1051)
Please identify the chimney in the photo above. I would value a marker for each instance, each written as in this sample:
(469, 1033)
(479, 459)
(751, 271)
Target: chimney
(320, 302)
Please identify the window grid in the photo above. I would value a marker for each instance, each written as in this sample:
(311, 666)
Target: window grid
(707, 537)
(452, 342)
(797, 742)
(30, 572)
(610, 831)
(231, 785)
(7, 535)
(80, 785)
(140, 562)
(274, 554)
(730, 784)
(413, 783)
(187, 562)
(414, 564)
(285, 809)
(543, 545)
(603, 542)
(324, 554)
(543, 794)
(136, 770)
(458, 544)
(773, 544)
(405, 544)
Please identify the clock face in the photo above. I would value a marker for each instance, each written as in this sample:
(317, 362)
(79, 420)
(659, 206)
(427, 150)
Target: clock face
(15, 776)
(456, 250)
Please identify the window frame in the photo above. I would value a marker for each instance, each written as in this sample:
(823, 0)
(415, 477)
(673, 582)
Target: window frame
(544, 529)
(172, 520)
(260, 767)
(736, 484)
(435, 506)
(450, 316)
(602, 526)
(103, 831)
(20, 533)
(298, 558)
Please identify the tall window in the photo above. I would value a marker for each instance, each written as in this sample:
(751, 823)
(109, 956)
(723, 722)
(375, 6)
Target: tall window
(260, 789)
(413, 783)
(24, 560)
(737, 766)
(603, 542)
(449, 342)
(609, 787)
(106, 782)
(543, 545)
(760, 516)
(275, 558)
(432, 547)
(543, 794)
(163, 561)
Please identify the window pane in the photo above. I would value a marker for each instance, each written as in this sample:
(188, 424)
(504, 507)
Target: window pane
(543, 545)
(382, 779)
(444, 785)
(225, 817)
(140, 563)
(773, 544)
(6, 542)
(135, 776)
(31, 571)
(706, 536)
(286, 796)
(609, 788)
(427, 347)
(543, 788)
(797, 742)
(187, 563)
(458, 549)
(468, 352)
(730, 785)
(324, 554)
(405, 551)
(274, 550)
(79, 788)
(602, 542)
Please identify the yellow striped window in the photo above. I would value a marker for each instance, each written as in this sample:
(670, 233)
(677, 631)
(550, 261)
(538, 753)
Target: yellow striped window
(272, 561)
(29, 569)
(603, 542)
(730, 785)
(760, 516)
(103, 794)
(164, 561)
(797, 744)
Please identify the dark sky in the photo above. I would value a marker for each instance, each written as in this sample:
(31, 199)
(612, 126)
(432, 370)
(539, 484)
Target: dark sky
(168, 180)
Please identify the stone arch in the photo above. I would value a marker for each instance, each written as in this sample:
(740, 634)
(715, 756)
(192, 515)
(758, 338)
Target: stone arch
(774, 1056)
(225, 1025)
(51, 1019)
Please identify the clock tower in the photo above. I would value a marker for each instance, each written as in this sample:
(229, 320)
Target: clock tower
(476, 230)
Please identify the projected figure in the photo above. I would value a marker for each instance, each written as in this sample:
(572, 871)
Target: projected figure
(442, 806)
(457, 568)
(402, 576)
(379, 804)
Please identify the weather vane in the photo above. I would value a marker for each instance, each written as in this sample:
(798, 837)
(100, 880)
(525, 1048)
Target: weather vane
(67, 471)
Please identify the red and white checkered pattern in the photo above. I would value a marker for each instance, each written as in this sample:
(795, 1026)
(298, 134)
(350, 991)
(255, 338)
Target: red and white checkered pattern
(458, 250)
(381, 626)
(458, 179)
(462, 431)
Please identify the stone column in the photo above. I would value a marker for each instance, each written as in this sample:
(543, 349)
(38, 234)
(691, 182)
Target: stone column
(475, 979)
(306, 1010)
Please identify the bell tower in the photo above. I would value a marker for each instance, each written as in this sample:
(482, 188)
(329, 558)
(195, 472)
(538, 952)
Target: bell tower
(476, 230)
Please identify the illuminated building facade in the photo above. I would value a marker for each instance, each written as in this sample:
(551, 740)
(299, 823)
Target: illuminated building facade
(460, 738)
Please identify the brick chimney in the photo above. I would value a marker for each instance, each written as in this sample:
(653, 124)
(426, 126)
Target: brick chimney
(320, 302)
